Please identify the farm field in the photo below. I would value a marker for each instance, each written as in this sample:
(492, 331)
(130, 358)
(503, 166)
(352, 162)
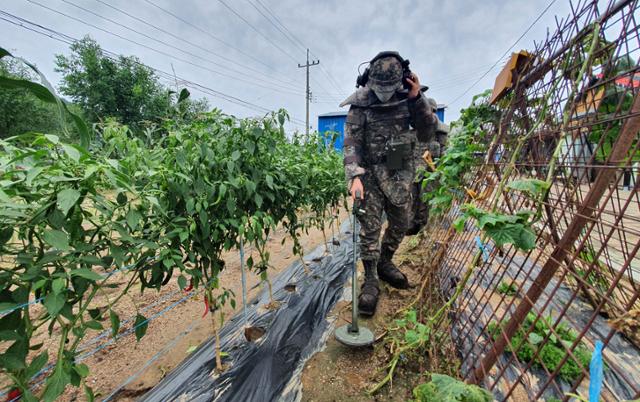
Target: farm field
(172, 230)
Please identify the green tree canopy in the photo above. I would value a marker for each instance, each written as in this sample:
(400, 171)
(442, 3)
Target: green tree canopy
(122, 88)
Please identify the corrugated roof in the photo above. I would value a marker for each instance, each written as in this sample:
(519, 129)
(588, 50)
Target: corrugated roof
(333, 114)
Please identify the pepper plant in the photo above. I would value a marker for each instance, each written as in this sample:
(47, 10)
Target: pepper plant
(73, 216)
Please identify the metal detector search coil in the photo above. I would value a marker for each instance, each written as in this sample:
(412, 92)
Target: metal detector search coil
(352, 334)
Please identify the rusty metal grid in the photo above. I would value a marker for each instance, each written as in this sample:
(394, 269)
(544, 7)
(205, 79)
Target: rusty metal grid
(584, 274)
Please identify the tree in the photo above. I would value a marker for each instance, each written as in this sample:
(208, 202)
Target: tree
(20, 111)
(122, 88)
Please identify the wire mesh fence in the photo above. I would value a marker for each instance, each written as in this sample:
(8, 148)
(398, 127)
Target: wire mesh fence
(526, 322)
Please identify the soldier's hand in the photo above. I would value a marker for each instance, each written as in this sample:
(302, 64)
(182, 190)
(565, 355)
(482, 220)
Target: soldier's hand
(356, 187)
(414, 86)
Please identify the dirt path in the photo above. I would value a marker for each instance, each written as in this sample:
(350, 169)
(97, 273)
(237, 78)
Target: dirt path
(173, 314)
(339, 373)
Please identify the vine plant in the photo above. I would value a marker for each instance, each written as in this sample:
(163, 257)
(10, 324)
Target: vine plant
(502, 228)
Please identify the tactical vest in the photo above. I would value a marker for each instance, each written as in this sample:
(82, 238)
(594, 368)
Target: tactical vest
(388, 150)
(389, 139)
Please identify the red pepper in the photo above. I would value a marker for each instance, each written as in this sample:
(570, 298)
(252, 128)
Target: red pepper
(206, 306)
(190, 287)
(13, 395)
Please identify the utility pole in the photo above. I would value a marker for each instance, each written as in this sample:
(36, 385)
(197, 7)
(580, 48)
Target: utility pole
(313, 63)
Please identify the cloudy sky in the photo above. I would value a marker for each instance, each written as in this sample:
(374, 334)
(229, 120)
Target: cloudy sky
(250, 49)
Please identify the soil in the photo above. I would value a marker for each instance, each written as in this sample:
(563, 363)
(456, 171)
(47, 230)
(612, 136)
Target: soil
(143, 364)
(340, 373)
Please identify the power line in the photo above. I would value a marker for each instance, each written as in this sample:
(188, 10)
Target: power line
(209, 34)
(504, 54)
(264, 36)
(295, 40)
(223, 57)
(275, 17)
(234, 77)
(256, 30)
(274, 24)
(289, 35)
(69, 40)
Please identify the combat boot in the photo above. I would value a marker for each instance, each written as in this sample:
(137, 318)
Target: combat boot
(388, 272)
(368, 299)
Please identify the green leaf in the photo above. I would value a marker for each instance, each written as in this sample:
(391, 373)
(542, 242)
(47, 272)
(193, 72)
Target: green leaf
(182, 282)
(37, 364)
(501, 235)
(47, 94)
(57, 239)
(8, 335)
(94, 325)
(412, 316)
(5, 235)
(71, 152)
(533, 187)
(56, 384)
(141, 324)
(14, 357)
(526, 239)
(89, 393)
(443, 388)
(54, 139)
(534, 338)
(82, 369)
(121, 198)
(184, 94)
(58, 285)
(133, 218)
(115, 323)
(67, 199)
(411, 336)
(458, 224)
(94, 313)
(54, 302)
(487, 219)
(39, 91)
(235, 155)
(32, 174)
(87, 274)
(426, 393)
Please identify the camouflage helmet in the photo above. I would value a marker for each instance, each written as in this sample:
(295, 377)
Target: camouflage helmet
(385, 77)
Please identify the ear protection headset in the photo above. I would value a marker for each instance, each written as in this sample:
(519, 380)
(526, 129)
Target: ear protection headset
(364, 77)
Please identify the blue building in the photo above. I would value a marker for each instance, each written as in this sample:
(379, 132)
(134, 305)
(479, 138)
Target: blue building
(335, 122)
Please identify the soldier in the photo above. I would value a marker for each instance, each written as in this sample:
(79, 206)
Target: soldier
(423, 151)
(378, 159)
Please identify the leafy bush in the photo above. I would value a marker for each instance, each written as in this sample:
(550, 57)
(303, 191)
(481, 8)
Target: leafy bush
(443, 388)
(507, 288)
(501, 228)
(552, 351)
(70, 219)
(469, 139)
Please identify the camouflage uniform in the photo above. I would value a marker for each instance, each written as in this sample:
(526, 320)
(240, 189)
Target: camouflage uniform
(372, 127)
(435, 142)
